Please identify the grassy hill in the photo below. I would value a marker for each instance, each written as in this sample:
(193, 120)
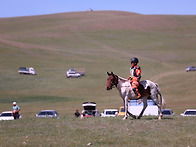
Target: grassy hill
(98, 41)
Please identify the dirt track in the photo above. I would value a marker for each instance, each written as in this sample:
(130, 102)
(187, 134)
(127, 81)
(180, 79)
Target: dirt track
(157, 77)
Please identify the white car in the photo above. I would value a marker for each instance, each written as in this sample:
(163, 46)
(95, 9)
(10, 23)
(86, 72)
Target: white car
(189, 112)
(7, 115)
(191, 68)
(109, 113)
(89, 109)
(72, 73)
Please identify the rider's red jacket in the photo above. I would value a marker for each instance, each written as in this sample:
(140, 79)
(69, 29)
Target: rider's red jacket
(135, 72)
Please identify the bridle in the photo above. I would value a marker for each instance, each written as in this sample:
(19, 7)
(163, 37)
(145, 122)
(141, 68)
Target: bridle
(113, 81)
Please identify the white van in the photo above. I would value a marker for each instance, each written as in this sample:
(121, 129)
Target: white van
(135, 108)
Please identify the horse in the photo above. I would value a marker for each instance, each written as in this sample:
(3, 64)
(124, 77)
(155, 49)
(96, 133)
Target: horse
(149, 90)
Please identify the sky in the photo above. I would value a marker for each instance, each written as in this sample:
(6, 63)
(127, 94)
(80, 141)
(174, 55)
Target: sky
(17, 8)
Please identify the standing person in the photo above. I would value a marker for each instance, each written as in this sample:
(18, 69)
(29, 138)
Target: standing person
(135, 76)
(15, 111)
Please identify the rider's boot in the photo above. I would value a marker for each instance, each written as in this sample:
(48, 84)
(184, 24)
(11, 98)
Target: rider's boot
(137, 93)
(139, 101)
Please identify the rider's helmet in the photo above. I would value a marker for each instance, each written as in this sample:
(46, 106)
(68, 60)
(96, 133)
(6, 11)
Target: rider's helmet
(134, 60)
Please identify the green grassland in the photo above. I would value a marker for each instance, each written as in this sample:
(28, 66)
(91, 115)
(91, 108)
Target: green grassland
(98, 41)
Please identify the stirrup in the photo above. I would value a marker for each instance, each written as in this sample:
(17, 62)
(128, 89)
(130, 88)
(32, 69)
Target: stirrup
(139, 96)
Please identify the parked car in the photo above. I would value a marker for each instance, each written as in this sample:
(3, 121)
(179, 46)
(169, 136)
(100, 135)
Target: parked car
(47, 113)
(7, 115)
(191, 68)
(109, 113)
(121, 111)
(27, 70)
(89, 109)
(167, 112)
(189, 112)
(74, 73)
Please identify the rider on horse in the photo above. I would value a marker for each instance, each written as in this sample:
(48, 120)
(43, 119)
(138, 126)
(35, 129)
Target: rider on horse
(135, 75)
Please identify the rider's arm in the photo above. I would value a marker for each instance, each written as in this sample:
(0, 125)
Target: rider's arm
(138, 73)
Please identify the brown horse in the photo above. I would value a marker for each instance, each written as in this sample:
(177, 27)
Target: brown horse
(149, 90)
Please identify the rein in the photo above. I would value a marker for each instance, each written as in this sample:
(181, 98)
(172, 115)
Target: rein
(116, 80)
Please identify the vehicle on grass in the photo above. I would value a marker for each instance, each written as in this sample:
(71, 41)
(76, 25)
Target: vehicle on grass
(121, 111)
(75, 73)
(7, 115)
(89, 109)
(167, 112)
(47, 113)
(109, 113)
(189, 112)
(135, 108)
(27, 70)
(191, 68)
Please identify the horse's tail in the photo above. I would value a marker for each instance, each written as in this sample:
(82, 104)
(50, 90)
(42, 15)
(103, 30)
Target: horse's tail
(162, 100)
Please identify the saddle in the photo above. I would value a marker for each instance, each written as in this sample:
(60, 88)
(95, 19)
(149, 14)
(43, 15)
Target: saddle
(143, 91)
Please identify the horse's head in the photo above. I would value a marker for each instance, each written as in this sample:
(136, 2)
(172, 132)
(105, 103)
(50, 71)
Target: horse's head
(112, 81)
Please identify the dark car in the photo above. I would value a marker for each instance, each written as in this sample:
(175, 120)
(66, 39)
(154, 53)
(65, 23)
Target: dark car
(47, 113)
(191, 68)
(167, 112)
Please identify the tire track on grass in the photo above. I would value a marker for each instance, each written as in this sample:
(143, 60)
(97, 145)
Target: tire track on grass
(160, 76)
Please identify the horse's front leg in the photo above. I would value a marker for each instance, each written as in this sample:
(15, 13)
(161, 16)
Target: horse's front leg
(126, 107)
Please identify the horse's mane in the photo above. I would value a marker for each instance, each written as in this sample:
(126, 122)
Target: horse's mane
(122, 78)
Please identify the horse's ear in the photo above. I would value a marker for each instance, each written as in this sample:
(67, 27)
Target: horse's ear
(108, 73)
(112, 73)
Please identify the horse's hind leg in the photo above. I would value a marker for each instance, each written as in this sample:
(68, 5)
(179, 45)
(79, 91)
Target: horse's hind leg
(144, 107)
(130, 114)
(156, 100)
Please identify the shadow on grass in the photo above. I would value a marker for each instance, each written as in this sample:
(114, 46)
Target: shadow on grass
(156, 118)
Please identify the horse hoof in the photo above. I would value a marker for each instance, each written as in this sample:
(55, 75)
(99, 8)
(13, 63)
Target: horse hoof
(134, 117)
(124, 118)
(139, 117)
